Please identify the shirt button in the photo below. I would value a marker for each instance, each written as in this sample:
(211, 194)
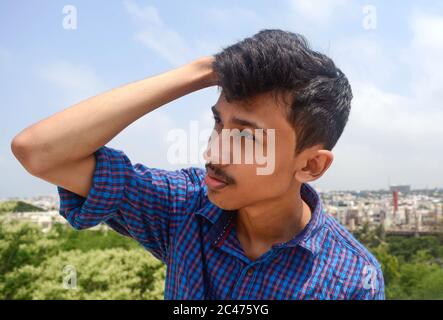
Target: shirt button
(250, 272)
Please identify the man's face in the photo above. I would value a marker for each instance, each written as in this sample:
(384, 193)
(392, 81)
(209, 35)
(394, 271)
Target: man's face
(245, 186)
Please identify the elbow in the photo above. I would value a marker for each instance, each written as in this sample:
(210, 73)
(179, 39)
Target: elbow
(21, 147)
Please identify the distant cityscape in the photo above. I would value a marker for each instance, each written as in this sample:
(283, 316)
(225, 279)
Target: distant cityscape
(399, 209)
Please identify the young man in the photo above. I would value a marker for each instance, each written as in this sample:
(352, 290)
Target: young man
(227, 232)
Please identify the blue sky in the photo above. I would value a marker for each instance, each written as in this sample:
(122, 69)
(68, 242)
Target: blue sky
(394, 131)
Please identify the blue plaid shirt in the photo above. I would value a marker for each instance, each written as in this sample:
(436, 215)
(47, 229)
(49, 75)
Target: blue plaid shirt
(169, 214)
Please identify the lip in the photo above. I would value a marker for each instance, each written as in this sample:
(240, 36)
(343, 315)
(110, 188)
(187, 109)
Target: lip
(214, 183)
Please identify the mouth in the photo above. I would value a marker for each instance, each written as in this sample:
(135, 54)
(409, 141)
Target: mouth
(214, 182)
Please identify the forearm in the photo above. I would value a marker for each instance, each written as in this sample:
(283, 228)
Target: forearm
(81, 129)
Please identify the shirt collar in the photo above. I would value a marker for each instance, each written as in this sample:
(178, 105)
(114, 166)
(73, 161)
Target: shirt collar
(209, 210)
(304, 239)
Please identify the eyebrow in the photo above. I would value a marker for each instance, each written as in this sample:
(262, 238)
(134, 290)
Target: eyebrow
(239, 121)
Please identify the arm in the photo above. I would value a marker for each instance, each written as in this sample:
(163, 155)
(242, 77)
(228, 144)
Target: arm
(60, 148)
(144, 203)
(100, 184)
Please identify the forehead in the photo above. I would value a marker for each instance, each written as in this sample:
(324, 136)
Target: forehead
(262, 109)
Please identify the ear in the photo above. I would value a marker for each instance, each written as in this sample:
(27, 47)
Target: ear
(314, 164)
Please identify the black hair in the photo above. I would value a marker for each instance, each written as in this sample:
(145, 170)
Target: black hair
(282, 62)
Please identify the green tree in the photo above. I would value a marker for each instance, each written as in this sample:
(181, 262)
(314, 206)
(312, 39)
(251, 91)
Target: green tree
(23, 244)
(96, 274)
(17, 206)
(371, 237)
(107, 265)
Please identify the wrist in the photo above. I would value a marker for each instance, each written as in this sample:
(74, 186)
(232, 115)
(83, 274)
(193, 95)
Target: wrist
(202, 69)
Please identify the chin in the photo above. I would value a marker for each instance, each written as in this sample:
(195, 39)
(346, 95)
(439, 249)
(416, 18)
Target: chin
(221, 201)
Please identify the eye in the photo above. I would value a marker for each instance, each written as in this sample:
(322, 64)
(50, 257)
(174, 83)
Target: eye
(247, 135)
(217, 119)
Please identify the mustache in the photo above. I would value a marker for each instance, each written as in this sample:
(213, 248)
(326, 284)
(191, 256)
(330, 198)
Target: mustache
(219, 173)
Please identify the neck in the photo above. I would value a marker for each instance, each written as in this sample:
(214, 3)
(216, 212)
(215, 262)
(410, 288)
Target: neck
(274, 221)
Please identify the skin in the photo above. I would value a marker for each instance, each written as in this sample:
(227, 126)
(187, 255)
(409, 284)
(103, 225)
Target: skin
(274, 212)
(60, 150)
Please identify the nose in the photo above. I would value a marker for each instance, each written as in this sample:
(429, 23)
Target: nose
(214, 152)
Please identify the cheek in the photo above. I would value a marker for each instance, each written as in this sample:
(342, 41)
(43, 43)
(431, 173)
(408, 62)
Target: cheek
(253, 187)
(250, 187)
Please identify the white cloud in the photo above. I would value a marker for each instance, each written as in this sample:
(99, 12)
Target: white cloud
(75, 82)
(167, 43)
(392, 123)
(387, 137)
(147, 14)
(320, 11)
(395, 135)
(428, 31)
(145, 141)
(363, 58)
(170, 44)
(424, 58)
(153, 34)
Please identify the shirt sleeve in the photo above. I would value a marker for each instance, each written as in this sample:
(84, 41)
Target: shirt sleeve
(146, 204)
